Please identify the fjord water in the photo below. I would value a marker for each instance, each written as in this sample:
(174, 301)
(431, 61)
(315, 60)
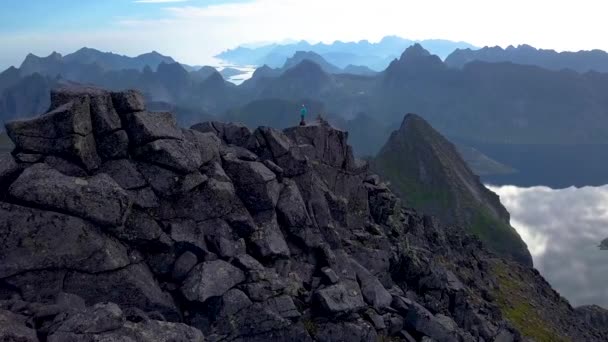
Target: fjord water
(563, 229)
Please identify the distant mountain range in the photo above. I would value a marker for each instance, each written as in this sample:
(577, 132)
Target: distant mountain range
(581, 61)
(375, 56)
(513, 116)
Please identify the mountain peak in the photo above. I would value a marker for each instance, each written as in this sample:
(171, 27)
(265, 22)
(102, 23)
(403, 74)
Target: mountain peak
(413, 119)
(432, 177)
(415, 51)
(307, 66)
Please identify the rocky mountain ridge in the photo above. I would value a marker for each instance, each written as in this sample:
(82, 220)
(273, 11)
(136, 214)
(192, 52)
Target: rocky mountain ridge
(579, 61)
(426, 170)
(221, 233)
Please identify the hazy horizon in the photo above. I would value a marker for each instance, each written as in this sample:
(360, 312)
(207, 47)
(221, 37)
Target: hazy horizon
(192, 31)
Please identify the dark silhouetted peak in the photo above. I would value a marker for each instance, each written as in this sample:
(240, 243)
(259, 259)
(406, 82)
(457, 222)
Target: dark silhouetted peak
(50, 65)
(416, 58)
(266, 71)
(172, 69)
(305, 67)
(203, 73)
(429, 173)
(301, 56)
(215, 78)
(55, 56)
(414, 52)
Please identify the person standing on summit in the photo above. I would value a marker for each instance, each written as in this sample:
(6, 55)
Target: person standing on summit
(303, 112)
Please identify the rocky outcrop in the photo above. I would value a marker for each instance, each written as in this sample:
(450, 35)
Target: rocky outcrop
(604, 244)
(429, 174)
(595, 315)
(230, 235)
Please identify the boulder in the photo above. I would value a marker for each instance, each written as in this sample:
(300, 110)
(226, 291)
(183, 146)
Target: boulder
(207, 144)
(339, 299)
(291, 208)
(188, 234)
(221, 239)
(131, 286)
(324, 143)
(232, 133)
(268, 241)
(114, 145)
(128, 101)
(440, 328)
(96, 198)
(213, 199)
(34, 239)
(248, 263)
(256, 185)
(8, 168)
(13, 328)
(330, 275)
(275, 145)
(167, 183)
(104, 118)
(259, 323)
(143, 198)
(174, 154)
(65, 166)
(211, 279)
(146, 127)
(107, 322)
(65, 131)
(143, 231)
(284, 306)
(124, 172)
(28, 158)
(359, 331)
(183, 265)
(372, 290)
(232, 302)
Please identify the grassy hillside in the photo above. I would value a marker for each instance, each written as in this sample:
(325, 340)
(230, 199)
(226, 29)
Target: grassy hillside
(429, 175)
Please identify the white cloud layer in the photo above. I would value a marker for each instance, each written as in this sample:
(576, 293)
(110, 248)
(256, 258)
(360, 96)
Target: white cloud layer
(194, 33)
(563, 229)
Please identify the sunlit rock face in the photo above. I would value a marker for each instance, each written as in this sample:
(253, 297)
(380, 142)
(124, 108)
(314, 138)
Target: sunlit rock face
(563, 229)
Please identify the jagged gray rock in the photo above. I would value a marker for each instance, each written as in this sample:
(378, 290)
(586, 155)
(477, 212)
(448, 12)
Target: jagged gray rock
(256, 184)
(211, 279)
(14, 328)
(8, 168)
(339, 299)
(107, 322)
(183, 265)
(129, 101)
(104, 118)
(96, 198)
(115, 145)
(65, 131)
(145, 127)
(35, 239)
(132, 286)
(270, 235)
(124, 172)
(174, 154)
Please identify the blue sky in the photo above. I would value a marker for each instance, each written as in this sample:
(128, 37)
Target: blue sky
(192, 31)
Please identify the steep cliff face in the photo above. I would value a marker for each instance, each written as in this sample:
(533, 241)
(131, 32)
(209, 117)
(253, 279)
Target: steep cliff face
(429, 174)
(224, 234)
